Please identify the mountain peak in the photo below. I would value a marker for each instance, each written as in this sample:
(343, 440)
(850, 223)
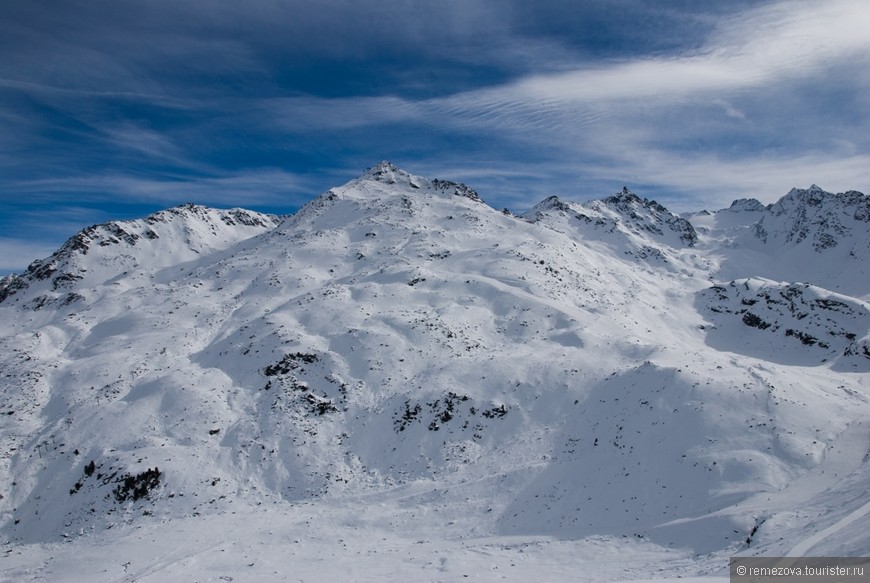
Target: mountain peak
(626, 196)
(650, 215)
(389, 174)
(623, 212)
(552, 202)
(825, 219)
(627, 201)
(812, 196)
(386, 172)
(746, 204)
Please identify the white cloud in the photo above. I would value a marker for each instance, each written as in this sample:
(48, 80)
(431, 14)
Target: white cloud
(796, 35)
(729, 109)
(765, 46)
(755, 52)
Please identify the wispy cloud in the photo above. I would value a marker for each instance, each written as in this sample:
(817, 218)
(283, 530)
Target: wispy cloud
(706, 113)
(762, 47)
(144, 141)
(651, 119)
(257, 188)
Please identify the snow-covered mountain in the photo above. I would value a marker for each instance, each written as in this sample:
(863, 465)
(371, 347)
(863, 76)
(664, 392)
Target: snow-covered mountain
(398, 356)
(809, 236)
(125, 250)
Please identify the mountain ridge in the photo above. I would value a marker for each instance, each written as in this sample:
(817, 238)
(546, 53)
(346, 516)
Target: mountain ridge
(203, 230)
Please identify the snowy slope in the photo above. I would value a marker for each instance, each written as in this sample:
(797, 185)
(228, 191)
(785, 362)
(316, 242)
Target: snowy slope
(400, 359)
(800, 323)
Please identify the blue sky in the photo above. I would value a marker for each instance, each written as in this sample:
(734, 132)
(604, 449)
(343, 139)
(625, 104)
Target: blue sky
(113, 109)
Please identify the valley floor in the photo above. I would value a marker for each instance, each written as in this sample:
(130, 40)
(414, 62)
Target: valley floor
(315, 542)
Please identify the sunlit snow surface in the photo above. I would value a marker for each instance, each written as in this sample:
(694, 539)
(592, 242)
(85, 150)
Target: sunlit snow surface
(402, 383)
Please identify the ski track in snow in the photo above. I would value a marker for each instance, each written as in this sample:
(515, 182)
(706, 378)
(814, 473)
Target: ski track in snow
(802, 548)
